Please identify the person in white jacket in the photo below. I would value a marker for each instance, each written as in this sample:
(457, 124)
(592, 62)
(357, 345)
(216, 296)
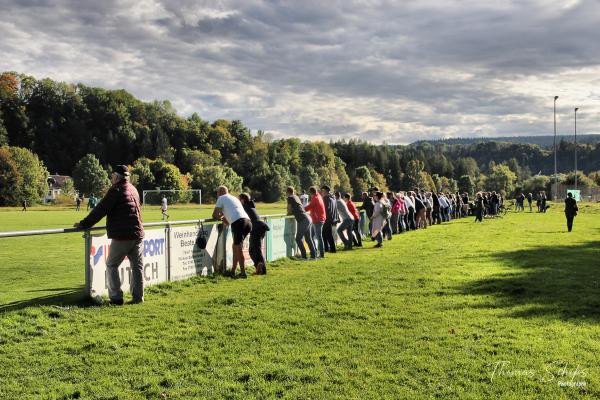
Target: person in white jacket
(379, 219)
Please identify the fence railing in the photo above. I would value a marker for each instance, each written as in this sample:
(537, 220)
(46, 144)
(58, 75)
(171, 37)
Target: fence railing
(173, 252)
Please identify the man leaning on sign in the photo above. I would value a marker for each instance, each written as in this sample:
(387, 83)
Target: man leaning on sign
(121, 206)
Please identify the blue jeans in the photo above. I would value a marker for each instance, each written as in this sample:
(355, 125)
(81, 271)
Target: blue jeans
(346, 226)
(303, 231)
(317, 234)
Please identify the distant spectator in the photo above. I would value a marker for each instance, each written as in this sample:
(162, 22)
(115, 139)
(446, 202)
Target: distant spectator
(304, 198)
(77, 203)
(420, 212)
(479, 206)
(367, 205)
(357, 237)
(163, 208)
(344, 230)
(529, 201)
(316, 208)
(92, 201)
(24, 203)
(257, 234)
(331, 218)
(410, 212)
(303, 225)
(379, 219)
(394, 221)
(570, 210)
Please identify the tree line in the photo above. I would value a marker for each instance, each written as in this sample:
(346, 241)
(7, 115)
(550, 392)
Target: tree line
(81, 131)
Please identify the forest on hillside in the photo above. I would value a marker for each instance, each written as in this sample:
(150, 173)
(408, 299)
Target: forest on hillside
(82, 131)
(544, 141)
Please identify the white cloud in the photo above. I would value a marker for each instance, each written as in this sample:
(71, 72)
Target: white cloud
(379, 70)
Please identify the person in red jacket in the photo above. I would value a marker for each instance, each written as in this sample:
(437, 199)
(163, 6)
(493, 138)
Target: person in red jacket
(316, 209)
(121, 206)
(357, 239)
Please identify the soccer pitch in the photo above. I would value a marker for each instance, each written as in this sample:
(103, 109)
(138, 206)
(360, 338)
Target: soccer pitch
(509, 308)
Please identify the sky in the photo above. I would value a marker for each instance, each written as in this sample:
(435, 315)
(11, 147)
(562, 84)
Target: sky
(393, 71)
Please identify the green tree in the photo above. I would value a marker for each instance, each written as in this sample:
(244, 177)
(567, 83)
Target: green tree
(466, 166)
(501, 179)
(582, 180)
(362, 180)
(10, 180)
(448, 185)
(427, 180)
(68, 188)
(344, 180)
(595, 176)
(33, 175)
(412, 175)
(3, 132)
(191, 158)
(275, 182)
(466, 185)
(141, 175)
(209, 178)
(89, 176)
(537, 183)
(308, 177)
(168, 177)
(379, 180)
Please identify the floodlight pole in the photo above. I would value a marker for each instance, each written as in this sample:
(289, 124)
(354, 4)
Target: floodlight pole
(555, 172)
(576, 108)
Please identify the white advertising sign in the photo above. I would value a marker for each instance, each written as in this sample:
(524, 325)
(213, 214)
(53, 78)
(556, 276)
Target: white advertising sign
(155, 262)
(187, 259)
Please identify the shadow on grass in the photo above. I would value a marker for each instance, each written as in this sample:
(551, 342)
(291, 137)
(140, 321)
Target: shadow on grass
(553, 281)
(66, 297)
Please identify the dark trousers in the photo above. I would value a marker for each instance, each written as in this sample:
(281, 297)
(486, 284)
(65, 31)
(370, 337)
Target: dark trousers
(255, 249)
(411, 219)
(437, 218)
(328, 240)
(356, 239)
(570, 218)
(478, 215)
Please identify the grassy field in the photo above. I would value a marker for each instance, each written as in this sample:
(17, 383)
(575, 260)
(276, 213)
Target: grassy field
(50, 269)
(505, 309)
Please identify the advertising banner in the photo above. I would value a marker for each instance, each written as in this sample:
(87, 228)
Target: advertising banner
(280, 238)
(155, 262)
(186, 258)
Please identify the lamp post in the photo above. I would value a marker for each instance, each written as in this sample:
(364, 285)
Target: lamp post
(555, 172)
(576, 108)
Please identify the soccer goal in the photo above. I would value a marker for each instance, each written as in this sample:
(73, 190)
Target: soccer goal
(154, 197)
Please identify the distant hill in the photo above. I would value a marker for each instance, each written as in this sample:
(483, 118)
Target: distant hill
(542, 141)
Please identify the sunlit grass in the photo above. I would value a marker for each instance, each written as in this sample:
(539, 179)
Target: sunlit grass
(431, 315)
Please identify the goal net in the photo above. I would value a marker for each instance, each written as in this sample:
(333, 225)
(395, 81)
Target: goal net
(154, 197)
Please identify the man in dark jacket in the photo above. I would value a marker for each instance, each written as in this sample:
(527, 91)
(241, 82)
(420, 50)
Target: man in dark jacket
(331, 218)
(570, 210)
(121, 206)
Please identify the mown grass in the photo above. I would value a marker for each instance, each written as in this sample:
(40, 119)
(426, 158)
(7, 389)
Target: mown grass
(431, 315)
(50, 269)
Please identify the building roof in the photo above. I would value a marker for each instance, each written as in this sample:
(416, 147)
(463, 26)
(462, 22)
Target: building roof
(59, 181)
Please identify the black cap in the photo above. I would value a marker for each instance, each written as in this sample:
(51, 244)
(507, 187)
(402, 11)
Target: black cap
(121, 170)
